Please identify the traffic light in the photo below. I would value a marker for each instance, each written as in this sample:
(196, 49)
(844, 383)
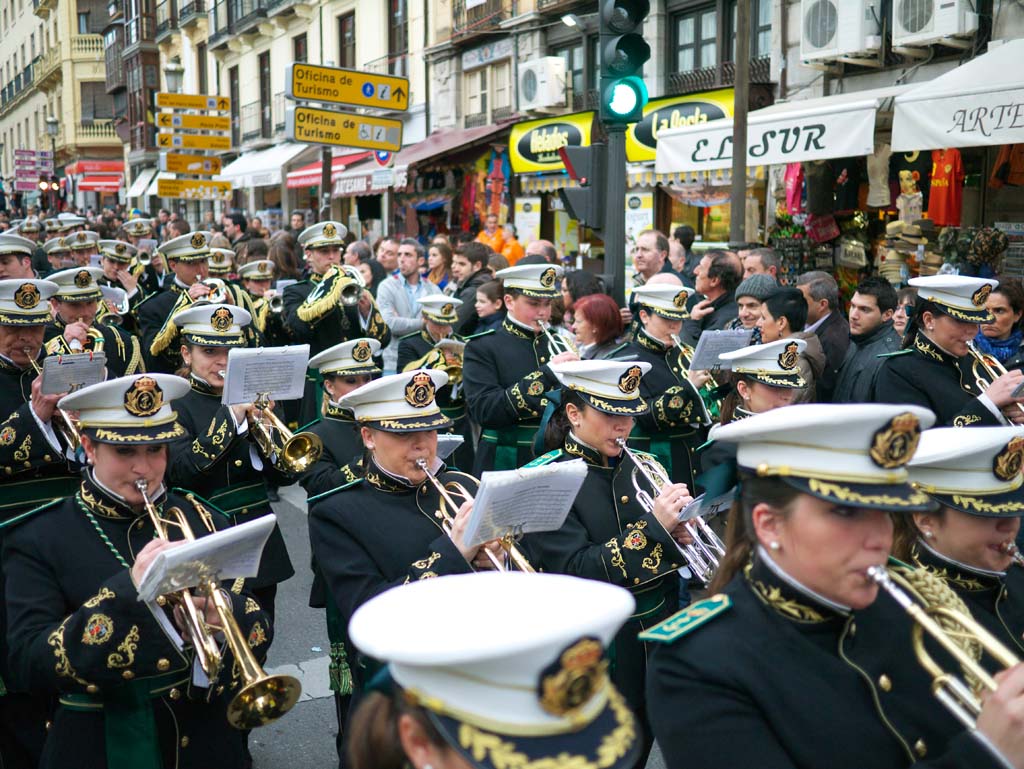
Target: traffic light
(586, 166)
(623, 53)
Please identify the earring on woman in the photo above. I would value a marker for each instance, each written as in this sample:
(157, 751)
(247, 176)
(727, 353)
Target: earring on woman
(929, 534)
(774, 546)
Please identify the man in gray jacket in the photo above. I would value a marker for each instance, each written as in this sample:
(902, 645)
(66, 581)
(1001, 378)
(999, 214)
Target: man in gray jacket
(871, 335)
(398, 298)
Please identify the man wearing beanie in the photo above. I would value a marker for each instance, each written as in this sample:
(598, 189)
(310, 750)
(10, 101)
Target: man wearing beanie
(749, 296)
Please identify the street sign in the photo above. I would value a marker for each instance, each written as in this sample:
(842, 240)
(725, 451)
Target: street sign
(309, 125)
(193, 189)
(21, 168)
(178, 163)
(311, 82)
(195, 122)
(384, 159)
(193, 101)
(33, 154)
(24, 185)
(190, 142)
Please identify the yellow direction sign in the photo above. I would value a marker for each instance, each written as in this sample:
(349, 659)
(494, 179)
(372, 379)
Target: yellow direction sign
(190, 142)
(334, 85)
(193, 189)
(194, 122)
(193, 101)
(200, 165)
(322, 126)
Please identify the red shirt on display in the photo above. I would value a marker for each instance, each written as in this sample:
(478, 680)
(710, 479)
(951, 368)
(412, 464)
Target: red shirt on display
(947, 195)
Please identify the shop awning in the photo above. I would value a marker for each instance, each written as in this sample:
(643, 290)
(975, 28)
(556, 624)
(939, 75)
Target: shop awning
(151, 190)
(309, 175)
(837, 126)
(140, 183)
(978, 104)
(448, 141)
(640, 175)
(262, 168)
(94, 166)
(99, 183)
(367, 178)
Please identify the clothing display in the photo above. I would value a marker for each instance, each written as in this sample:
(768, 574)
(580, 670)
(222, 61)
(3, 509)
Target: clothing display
(1008, 167)
(919, 164)
(820, 183)
(879, 194)
(947, 186)
(911, 207)
(794, 181)
(848, 173)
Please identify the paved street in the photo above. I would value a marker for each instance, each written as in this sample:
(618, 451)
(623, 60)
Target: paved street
(304, 739)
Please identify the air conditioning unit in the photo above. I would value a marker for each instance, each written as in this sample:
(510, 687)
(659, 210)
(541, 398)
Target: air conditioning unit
(923, 22)
(832, 29)
(542, 83)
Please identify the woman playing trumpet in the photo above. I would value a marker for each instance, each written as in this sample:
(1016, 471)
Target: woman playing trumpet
(969, 539)
(609, 534)
(120, 669)
(796, 661)
(216, 457)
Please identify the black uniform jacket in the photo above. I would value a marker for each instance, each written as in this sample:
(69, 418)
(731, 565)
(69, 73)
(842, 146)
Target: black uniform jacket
(378, 533)
(215, 462)
(675, 408)
(342, 446)
(79, 633)
(609, 537)
(504, 378)
(996, 600)
(123, 350)
(779, 680)
(925, 375)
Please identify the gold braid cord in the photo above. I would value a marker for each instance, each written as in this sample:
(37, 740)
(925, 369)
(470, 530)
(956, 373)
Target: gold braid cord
(169, 332)
(433, 359)
(313, 310)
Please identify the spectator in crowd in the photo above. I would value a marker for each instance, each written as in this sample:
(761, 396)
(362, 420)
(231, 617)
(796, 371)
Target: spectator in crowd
(491, 235)
(257, 249)
(825, 318)
(684, 236)
(469, 268)
(163, 216)
(597, 325)
(871, 335)
(236, 230)
(439, 264)
(783, 314)
(397, 299)
(387, 255)
(282, 254)
(297, 222)
(512, 250)
(905, 299)
(373, 275)
(357, 251)
(256, 229)
(650, 255)
(762, 261)
(576, 285)
(750, 294)
(497, 262)
(543, 248)
(713, 307)
(1002, 337)
(490, 305)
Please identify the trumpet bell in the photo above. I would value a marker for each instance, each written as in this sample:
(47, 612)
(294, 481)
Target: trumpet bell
(144, 258)
(263, 701)
(301, 452)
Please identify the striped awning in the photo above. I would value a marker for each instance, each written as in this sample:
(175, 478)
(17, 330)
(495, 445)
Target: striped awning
(640, 175)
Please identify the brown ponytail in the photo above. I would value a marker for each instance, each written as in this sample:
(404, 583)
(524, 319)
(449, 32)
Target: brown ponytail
(558, 426)
(373, 741)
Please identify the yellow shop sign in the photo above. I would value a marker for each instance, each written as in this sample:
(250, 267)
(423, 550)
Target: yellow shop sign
(674, 112)
(534, 144)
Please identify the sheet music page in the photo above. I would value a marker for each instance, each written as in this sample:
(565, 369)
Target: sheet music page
(524, 501)
(713, 343)
(64, 373)
(224, 555)
(280, 372)
(707, 508)
(447, 443)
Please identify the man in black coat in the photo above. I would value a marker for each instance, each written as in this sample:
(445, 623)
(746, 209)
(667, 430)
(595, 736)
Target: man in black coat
(871, 336)
(825, 319)
(469, 267)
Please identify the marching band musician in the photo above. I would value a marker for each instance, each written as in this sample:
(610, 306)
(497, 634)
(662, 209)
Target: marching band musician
(222, 262)
(506, 370)
(216, 457)
(84, 246)
(122, 669)
(968, 541)
(456, 694)
(313, 309)
(609, 535)
(115, 261)
(420, 350)
(673, 427)
(153, 276)
(935, 370)
(344, 368)
(256, 278)
(74, 327)
(58, 253)
(16, 255)
(795, 629)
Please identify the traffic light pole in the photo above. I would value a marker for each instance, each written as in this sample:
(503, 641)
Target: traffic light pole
(614, 231)
(741, 95)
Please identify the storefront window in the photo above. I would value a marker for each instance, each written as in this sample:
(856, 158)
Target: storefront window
(696, 39)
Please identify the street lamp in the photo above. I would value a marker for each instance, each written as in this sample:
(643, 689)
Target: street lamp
(174, 74)
(52, 127)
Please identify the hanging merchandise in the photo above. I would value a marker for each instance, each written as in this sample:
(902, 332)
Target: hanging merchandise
(1009, 167)
(821, 197)
(821, 229)
(910, 202)
(919, 164)
(848, 173)
(879, 194)
(794, 181)
(947, 196)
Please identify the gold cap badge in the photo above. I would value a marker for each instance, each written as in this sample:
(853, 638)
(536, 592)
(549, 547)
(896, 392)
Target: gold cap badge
(221, 320)
(547, 278)
(979, 297)
(577, 675)
(1007, 463)
(447, 309)
(361, 352)
(82, 237)
(144, 398)
(680, 300)
(198, 240)
(419, 393)
(330, 230)
(27, 296)
(790, 356)
(120, 248)
(894, 445)
(630, 380)
(83, 279)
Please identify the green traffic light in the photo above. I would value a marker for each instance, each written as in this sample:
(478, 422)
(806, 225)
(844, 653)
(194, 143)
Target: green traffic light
(625, 98)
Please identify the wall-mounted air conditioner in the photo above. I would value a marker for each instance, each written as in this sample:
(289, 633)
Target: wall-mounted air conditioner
(833, 29)
(542, 83)
(923, 22)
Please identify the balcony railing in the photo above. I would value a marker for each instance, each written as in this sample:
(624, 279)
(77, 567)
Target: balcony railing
(467, 22)
(245, 14)
(143, 137)
(42, 8)
(218, 25)
(141, 29)
(585, 100)
(279, 109)
(724, 74)
(249, 116)
(115, 70)
(189, 13)
(501, 113)
(476, 119)
(392, 64)
(275, 7)
(95, 131)
(19, 86)
(166, 21)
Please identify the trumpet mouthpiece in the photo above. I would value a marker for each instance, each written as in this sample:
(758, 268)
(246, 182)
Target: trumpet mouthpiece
(142, 484)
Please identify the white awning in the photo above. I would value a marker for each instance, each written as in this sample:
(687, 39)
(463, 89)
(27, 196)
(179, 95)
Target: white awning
(140, 183)
(262, 168)
(978, 104)
(837, 126)
(151, 190)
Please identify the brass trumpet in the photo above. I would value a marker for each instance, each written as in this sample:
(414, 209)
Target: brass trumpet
(144, 258)
(955, 630)
(62, 421)
(991, 366)
(1010, 548)
(263, 698)
(296, 452)
(557, 344)
(704, 554)
(275, 303)
(449, 506)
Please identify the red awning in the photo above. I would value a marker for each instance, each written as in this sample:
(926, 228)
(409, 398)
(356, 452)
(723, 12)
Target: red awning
(309, 175)
(100, 183)
(95, 167)
(449, 141)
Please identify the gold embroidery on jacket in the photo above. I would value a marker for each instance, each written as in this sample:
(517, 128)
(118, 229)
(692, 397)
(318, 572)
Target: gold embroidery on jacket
(125, 654)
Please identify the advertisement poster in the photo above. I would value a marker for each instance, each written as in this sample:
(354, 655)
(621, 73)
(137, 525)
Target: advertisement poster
(639, 217)
(527, 219)
(567, 234)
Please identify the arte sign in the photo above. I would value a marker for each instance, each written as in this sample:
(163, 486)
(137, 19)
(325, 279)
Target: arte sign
(976, 120)
(534, 144)
(674, 112)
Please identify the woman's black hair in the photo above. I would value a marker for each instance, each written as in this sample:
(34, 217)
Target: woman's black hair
(921, 306)
(558, 426)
